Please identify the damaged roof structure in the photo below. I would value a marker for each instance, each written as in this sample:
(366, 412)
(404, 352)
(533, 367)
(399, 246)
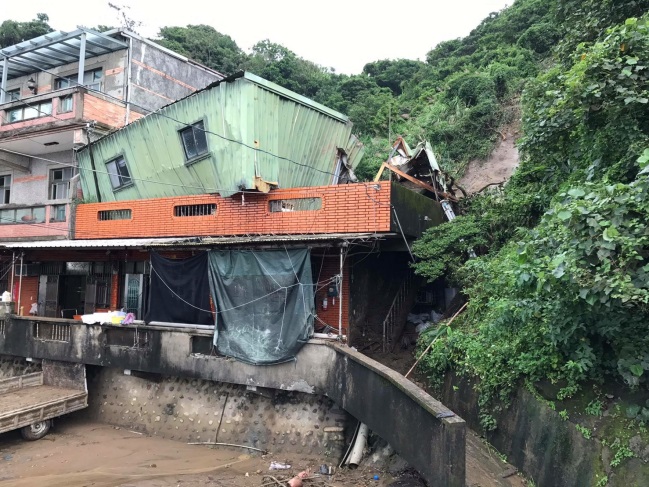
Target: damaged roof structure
(418, 170)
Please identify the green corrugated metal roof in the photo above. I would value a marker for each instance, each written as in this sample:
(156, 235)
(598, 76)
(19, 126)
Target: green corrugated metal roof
(289, 130)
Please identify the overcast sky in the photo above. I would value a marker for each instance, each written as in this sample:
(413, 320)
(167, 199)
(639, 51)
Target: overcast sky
(343, 34)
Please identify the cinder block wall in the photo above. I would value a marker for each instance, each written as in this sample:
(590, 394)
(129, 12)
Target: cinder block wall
(347, 208)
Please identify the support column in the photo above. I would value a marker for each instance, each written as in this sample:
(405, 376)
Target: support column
(3, 84)
(82, 58)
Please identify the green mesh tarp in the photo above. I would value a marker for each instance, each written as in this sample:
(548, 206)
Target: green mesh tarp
(264, 302)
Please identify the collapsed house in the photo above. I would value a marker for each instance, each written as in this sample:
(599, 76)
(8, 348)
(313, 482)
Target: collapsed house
(236, 209)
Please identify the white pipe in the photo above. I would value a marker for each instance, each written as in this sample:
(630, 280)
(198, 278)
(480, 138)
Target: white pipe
(127, 83)
(174, 325)
(13, 272)
(356, 455)
(20, 284)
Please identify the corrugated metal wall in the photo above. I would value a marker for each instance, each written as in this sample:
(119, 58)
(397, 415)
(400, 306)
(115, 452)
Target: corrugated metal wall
(241, 110)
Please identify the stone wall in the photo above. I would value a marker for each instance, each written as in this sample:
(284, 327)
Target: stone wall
(190, 410)
(14, 366)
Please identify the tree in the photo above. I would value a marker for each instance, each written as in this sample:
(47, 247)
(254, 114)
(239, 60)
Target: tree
(392, 73)
(205, 45)
(12, 32)
(280, 65)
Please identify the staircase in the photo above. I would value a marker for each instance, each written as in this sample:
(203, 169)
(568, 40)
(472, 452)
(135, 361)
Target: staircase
(395, 320)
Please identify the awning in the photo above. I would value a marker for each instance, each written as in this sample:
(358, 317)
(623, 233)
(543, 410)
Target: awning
(117, 243)
(55, 49)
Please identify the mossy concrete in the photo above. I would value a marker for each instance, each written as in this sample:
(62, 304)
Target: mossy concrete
(545, 447)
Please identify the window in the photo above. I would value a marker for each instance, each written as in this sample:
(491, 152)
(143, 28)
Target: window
(195, 210)
(194, 141)
(91, 79)
(27, 112)
(295, 204)
(57, 213)
(118, 173)
(105, 215)
(65, 104)
(60, 183)
(61, 83)
(23, 215)
(12, 95)
(5, 189)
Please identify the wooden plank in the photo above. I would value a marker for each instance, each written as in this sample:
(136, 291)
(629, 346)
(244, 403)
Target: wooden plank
(419, 183)
(377, 178)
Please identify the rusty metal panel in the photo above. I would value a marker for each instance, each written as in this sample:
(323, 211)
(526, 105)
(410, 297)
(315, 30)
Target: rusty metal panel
(254, 128)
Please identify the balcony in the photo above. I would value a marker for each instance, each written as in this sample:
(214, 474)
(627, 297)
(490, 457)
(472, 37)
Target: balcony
(60, 110)
(39, 221)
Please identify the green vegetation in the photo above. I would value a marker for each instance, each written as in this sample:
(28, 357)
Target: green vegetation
(561, 290)
(12, 32)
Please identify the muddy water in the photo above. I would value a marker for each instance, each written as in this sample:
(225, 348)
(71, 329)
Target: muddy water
(80, 454)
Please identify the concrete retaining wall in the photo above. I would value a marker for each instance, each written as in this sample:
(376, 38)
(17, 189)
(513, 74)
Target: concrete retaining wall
(190, 410)
(546, 448)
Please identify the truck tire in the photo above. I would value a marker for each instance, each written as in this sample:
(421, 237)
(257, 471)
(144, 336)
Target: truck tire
(36, 431)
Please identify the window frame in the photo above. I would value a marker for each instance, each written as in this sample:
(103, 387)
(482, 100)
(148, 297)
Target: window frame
(6, 189)
(10, 95)
(62, 100)
(202, 155)
(53, 213)
(55, 183)
(72, 80)
(40, 113)
(120, 176)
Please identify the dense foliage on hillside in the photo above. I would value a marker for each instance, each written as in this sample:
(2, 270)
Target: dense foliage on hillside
(563, 292)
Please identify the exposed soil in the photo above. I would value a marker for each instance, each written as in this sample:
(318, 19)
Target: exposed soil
(496, 169)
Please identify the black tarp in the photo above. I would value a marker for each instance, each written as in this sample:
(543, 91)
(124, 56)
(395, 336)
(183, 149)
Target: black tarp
(180, 290)
(264, 302)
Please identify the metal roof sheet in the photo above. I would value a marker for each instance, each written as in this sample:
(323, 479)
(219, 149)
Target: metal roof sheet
(98, 243)
(190, 241)
(55, 49)
(253, 128)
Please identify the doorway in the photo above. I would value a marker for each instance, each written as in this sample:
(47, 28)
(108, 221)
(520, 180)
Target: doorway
(72, 295)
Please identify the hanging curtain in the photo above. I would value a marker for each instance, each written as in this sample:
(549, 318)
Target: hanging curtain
(180, 290)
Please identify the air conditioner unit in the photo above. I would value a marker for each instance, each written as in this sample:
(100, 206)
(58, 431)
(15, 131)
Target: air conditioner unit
(28, 269)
